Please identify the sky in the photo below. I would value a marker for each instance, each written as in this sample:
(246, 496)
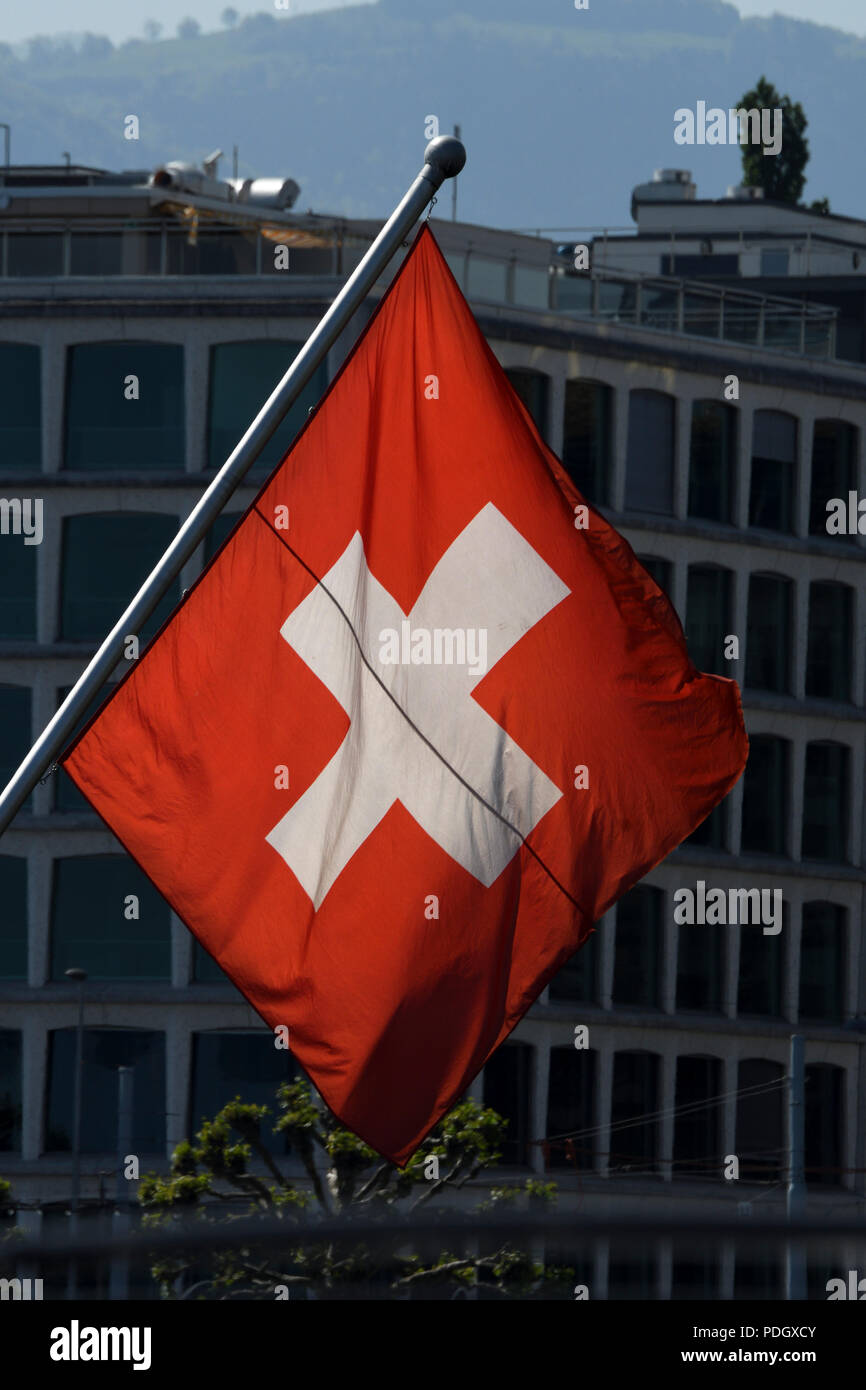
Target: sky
(121, 22)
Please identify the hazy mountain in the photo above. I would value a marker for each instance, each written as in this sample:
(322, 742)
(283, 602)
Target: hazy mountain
(562, 111)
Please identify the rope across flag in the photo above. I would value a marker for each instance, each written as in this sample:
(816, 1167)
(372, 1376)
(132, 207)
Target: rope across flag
(420, 722)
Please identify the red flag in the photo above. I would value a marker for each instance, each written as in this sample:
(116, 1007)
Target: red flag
(486, 715)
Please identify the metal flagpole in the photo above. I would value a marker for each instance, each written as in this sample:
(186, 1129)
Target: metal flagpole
(444, 157)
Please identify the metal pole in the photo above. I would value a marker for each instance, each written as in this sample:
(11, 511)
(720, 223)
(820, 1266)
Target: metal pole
(80, 975)
(7, 139)
(444, 158)
(454, 185)
(119, 1277)
(795, 1268)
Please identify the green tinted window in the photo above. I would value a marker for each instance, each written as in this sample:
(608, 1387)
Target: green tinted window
(94, 923)
(113, 422)
(242, 376)
(20, 431)
(13, 918)
(106, 557)
(106, 1049)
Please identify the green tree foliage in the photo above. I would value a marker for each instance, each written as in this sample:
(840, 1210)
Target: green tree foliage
(211, 1181)
(781, 176)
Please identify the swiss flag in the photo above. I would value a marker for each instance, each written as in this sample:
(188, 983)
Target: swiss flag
(484, 709)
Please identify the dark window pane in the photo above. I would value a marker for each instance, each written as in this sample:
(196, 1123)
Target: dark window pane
(67, 797)
(10, 1090)
(35, 253)
(533, 388)
(106, 557)
(13, 918)
(768, 633)
(659, 570)
(89, 925)
(218, 251)
(761, 970)
(774, 453)
(586, 445)
(713, 460)
(632, 1279)
(695, 1277)
(708, 617)
(765, 796)
(578, 979)
(822, 962)
(106, 1049)
(828, 666)
(758, 1278)
(17, 583)
(571, 1107)
(96, 253)
(637, 969)
(205, 969)
(824, 1121)
(834, 469)
(633, 1116)
(242, 376)
(105, 430)
(697, 1132)
(506, 1090)
(825, 802)
(219, 530)
(712, 831)
(759, 1120)
(20, 413)
(649, 485)
(16, 737)
(700, 966)
(228, 1065)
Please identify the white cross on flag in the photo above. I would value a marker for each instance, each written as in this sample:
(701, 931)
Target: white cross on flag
(421, 721)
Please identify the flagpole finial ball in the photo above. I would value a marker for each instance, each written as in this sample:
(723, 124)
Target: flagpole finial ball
(447, 154)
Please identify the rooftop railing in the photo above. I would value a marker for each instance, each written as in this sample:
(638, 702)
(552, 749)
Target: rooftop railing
(158, 248)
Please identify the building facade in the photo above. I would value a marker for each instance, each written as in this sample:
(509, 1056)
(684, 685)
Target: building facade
(142, 324)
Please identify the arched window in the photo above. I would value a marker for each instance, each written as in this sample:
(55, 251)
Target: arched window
(587, 437)
(533, 388)
(107, 918)
(712, 460)
(106, 1049)
(774, 466)
(639, 931)
(242, 377)
(768, 633)
(125, 407)
(649, 473)
(571, 1107)
(826, 799)
(105, 558)
(828, 664)
(20, 408)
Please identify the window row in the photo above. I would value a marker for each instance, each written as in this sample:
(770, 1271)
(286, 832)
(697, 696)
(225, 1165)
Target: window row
(640, 944)
(224, 1065)
(651, 448)
(771, 629)
(631, 1143)
(227, 1064)
(124, 404)
(107, 919)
